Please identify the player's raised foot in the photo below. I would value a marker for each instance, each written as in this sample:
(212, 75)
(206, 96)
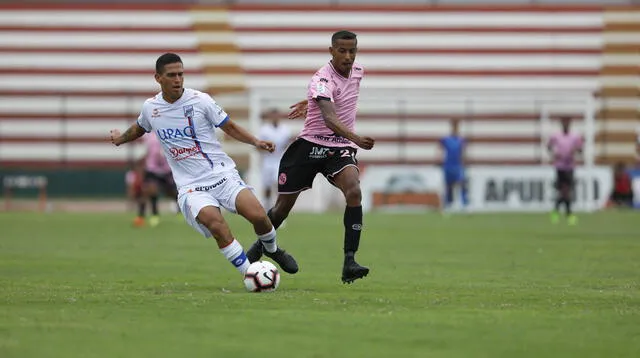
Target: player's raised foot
(352, 271)
(255, 251)
(154, 221)
(286, 262)
(555, 217)
(572, 220)
(138, 221)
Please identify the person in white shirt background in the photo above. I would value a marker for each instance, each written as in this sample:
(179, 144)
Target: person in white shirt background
(275, 131)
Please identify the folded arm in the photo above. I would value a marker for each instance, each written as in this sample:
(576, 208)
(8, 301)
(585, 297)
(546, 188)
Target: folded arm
(332, 122)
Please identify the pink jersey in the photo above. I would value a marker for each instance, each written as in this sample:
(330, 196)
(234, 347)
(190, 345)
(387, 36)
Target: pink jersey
(155, 161)
(343, 92)
(564, 147)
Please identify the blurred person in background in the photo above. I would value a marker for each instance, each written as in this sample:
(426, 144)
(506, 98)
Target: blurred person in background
(622, 193)
(133, 180)
(563, 147)
(453, 163)
(328, 145)
(272, 130)
(207, 179)
(157, 177)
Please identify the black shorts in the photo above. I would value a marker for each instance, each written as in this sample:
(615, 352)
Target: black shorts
(564, 178)
(303, 160)
(164, 181)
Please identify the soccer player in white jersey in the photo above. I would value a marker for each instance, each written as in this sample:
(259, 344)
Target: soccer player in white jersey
(185, 121)
(328, 145)
(272, 130)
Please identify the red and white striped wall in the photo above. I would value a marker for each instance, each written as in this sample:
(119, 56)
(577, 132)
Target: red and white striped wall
(74, 73)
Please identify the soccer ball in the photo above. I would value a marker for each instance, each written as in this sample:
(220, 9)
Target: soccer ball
(262, 276)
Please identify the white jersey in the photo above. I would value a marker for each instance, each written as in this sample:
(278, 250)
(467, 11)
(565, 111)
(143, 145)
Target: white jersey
(280, 136)
(186, 130)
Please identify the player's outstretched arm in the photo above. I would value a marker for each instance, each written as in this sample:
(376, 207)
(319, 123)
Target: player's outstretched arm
(332, 122)
(299, 110)
(134, 132)
(240, 134)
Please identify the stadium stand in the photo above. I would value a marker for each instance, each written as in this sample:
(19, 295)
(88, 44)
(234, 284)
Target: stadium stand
(73, 72)
(620, 88)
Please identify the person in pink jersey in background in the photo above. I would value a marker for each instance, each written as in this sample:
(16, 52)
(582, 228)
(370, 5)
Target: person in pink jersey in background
(563, 148)
(133, 180)
(327, 144)
(157, 176)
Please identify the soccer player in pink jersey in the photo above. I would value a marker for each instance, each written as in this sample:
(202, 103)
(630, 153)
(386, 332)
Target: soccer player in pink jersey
(327, 144)
(563, 147)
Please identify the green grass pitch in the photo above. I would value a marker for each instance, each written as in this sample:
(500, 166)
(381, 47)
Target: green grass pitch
(90, 285)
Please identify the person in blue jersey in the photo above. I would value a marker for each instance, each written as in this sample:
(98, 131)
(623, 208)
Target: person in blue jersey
(453, 147)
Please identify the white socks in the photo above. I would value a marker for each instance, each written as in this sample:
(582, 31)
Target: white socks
(235, 254)
(269, 240)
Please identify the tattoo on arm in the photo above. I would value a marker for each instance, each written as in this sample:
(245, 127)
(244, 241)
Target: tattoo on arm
(128, 135)
(132, 133)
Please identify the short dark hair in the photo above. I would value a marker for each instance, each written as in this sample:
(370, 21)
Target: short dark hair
(343, 35)
(166, 59)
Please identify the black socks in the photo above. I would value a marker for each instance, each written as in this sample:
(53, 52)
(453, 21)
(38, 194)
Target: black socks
(352, 229)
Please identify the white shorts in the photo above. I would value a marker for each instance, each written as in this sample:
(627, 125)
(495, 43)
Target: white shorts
(270, 174)
(221, 192)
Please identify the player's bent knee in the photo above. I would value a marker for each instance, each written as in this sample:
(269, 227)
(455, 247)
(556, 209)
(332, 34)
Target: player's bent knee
(210, 218)
(248, 206)
(256, 216)
(220, 231)
(284, 204)
(353, 195)
(281, 209)
(278, 214)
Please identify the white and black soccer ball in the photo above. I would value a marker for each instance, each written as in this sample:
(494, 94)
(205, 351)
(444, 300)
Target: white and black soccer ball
(262, 276)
